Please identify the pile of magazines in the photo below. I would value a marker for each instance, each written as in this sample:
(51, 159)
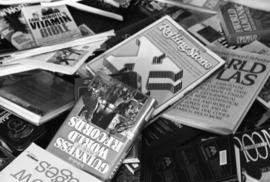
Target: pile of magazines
(134, 90)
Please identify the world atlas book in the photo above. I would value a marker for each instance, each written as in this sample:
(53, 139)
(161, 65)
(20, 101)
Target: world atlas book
(168, 60)
(39, 165)
(36, 96)
(50, 25)
(102, 127)
(220, 104)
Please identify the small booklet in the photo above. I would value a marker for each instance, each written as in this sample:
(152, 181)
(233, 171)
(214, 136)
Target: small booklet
(102, 127)
(37, 164)
(36, 96)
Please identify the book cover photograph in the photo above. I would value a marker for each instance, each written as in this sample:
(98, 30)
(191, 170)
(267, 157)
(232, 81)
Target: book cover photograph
(102, 127)
(50, 25)
(14, 28)
(243, 25)
(37, 164)
(16, 133)
(168, 59)
(220, 104)
(37, 96)
(254, 154)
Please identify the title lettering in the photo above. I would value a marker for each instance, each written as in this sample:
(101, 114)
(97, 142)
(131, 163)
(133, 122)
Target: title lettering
(182, 46)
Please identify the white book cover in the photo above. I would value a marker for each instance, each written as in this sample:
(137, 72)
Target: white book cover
(220, 103)
(169, 61)
(35, 164)
(50, 25)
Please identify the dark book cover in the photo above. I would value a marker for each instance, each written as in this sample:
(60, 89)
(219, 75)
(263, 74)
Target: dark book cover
(243, 25)
(5, 157)
(254, 153)
(160, 138)
(17, 133)
(102, 127)
(36, 96)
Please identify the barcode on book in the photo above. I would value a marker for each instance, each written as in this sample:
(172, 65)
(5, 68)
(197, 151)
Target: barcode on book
(223, 157)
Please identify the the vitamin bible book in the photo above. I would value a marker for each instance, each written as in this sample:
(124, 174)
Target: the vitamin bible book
(35, 164)
(166, 58)
(102, 127)
(243, 25)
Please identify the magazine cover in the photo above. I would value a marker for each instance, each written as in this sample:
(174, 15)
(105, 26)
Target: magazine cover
(169, 61)
(37, 164)
(14, 28)
(254, 154)
(102, 127)
(36, 96)
(50, 25)
(220, 104)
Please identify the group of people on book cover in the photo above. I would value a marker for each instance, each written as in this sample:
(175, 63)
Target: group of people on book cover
(111, 107)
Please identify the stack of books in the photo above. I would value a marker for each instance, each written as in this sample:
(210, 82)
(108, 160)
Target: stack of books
(133, 90)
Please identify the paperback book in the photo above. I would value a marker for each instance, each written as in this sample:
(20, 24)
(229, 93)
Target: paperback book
(14, 28)
(102, 127)
(36, 96)
(254, 154)
(219, 105)
(169, 61)
(16, 133)
(37, 164)
(243, 25)
(50, 25)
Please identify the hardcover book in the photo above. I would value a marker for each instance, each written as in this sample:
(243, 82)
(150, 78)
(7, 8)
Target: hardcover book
(169, 61)
(102, 127)
(243, 25)
(254, 154)
(50, 25)
(37, 164)
(14, 28)
(219, 105)
(17, 133)
(36, 96)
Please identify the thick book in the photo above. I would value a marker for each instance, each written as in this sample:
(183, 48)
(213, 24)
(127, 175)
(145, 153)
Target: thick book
(254, 154)
(36, 96)
(102, 127)
(50, 25)
(16, 133)
(169, 61)
(243, 25)
(220, 104)
(14, 29)
(37, 164)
